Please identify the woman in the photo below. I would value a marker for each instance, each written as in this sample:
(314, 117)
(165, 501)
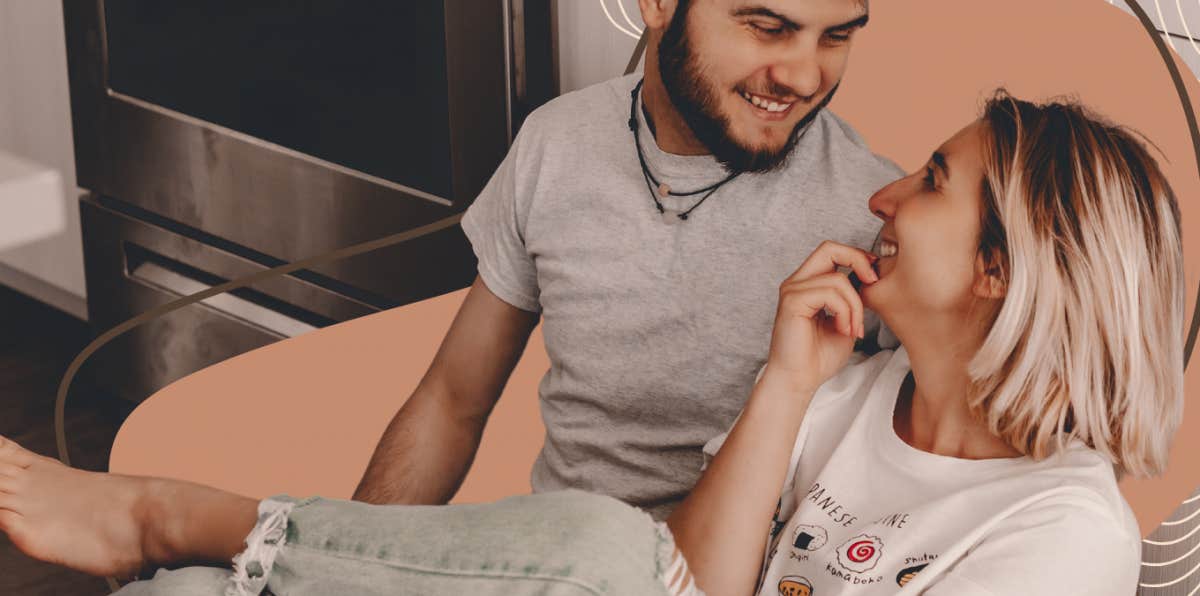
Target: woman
(1033, 273)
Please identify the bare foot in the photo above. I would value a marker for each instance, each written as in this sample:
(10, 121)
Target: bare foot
(90, 522)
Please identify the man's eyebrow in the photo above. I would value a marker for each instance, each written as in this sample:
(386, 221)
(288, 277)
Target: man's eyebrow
(939, 160)
(861, 21)
(762, 11)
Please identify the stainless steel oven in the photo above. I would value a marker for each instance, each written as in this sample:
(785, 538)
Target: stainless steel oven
(219, 137)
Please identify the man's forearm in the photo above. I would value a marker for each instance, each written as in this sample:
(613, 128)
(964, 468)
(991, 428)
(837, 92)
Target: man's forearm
(422, 457)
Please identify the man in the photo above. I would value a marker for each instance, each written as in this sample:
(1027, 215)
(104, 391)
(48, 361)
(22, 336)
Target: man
(655, 263)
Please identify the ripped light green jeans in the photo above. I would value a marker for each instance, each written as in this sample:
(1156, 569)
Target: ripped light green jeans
(568, 543)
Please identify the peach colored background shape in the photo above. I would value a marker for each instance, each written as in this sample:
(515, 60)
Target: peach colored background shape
(302, 416)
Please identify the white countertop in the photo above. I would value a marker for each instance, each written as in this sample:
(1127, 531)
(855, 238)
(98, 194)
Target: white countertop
(31, 201)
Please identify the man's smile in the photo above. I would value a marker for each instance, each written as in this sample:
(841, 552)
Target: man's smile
(767, 108)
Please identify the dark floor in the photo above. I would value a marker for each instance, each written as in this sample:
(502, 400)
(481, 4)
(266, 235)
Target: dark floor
(37, 343)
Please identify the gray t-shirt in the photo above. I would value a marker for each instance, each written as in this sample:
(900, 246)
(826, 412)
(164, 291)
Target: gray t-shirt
(654, 330)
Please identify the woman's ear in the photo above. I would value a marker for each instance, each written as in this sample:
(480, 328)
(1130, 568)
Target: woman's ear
(657, 13)
(990, 280)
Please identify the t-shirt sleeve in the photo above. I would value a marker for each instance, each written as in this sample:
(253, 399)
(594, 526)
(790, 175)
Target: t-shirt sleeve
(495, 224)
(1061, 549)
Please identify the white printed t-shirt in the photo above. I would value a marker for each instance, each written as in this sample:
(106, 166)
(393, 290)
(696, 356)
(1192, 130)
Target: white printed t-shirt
(863, 512)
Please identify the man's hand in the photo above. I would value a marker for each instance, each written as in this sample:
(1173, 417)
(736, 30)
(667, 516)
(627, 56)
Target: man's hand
(429, 445)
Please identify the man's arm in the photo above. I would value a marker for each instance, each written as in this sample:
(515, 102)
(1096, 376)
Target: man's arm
(430, 443)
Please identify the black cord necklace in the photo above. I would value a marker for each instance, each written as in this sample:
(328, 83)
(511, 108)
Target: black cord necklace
(657, 188)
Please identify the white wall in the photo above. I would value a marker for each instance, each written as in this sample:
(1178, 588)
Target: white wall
(590, 49)
(35, 123)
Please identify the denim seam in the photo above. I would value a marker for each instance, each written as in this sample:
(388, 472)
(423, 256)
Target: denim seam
(494, 575)
(664, 548)
(306, 501)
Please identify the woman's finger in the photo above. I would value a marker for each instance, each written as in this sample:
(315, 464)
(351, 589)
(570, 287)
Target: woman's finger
(809, 302)
(829, 255)
(841, 284)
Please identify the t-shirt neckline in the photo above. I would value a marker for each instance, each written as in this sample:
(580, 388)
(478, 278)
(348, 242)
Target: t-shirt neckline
(663, 164)
(885, 395)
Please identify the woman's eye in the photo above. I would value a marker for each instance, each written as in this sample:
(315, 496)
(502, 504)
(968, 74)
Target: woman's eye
(928, 179)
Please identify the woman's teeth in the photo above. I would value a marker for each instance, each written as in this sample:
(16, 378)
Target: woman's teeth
(888, 249)
(765, 104)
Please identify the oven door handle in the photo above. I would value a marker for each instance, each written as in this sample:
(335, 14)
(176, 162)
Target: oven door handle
(156, 275)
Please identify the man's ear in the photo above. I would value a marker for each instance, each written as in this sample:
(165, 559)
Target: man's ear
(990, 280)
(657, 13)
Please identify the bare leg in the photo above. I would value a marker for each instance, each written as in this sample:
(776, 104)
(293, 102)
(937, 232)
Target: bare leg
(113, 525)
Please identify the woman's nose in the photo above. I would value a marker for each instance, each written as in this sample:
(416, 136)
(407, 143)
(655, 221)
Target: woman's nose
(883, 202)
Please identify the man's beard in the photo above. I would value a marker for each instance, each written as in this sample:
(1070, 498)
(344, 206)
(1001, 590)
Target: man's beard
(696, 101)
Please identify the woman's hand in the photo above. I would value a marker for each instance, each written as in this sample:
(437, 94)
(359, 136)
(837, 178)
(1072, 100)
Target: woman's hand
(807, 345)
(738, 492)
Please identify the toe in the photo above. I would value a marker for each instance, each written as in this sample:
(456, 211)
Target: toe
(9, 520)
(8, 503)
(13, 453)
(8, 486)
(10, 470)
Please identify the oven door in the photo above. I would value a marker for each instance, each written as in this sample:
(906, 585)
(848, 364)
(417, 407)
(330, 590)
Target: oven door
(137, 266)
(291, 129)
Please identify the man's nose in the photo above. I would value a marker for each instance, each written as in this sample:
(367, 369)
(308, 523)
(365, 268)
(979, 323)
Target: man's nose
(883, 202)
(801, 73)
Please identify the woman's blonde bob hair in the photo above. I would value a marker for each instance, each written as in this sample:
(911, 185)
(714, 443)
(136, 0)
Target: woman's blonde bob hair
(1083, 229)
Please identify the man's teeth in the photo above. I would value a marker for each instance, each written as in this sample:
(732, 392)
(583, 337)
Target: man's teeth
(888, 249)
(765, 104)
